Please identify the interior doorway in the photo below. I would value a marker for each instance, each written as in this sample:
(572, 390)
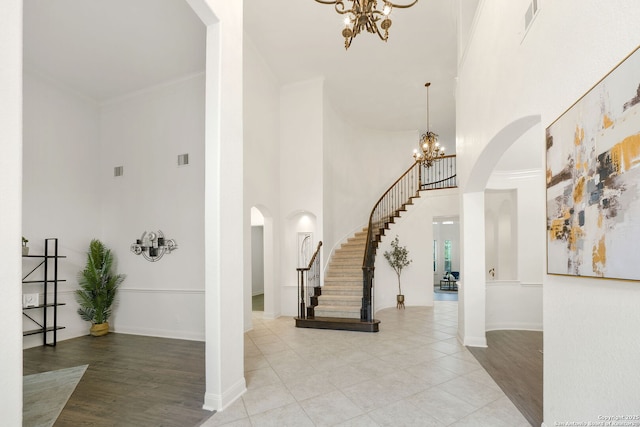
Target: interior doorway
(446, 258)
(257, 260)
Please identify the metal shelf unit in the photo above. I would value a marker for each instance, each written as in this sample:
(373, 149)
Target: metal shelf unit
(49, 267)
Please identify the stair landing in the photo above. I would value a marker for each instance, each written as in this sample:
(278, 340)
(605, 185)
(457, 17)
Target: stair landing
(338, 323)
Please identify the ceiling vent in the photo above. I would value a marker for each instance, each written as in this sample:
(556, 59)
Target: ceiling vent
(118, 171)
(183, 159)
(532, 10)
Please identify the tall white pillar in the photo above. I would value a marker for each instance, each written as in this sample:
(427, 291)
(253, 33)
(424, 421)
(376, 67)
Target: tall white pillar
(223, 203)
(472, 292)
(11, 211)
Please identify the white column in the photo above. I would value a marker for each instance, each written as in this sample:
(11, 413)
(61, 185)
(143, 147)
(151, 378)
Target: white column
(471, 307)
(224, 210)
(11, 212)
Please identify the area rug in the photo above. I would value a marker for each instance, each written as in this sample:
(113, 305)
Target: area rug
(45, 394)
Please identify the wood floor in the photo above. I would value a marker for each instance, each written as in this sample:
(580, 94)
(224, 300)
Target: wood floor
(131, 380)
(514, 361)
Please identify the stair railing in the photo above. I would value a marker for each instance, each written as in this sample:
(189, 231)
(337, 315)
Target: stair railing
(442, 174)
(388, 206)
(309, 285)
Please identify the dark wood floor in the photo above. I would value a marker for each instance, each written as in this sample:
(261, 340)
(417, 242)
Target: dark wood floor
(514, 361)
(131, 380)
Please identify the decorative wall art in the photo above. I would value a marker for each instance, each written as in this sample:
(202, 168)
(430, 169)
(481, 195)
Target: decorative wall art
(593, 180)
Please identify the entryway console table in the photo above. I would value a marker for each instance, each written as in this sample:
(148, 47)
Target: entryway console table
(49, 305)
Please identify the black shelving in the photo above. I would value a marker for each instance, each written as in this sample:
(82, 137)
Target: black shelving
(49, 262)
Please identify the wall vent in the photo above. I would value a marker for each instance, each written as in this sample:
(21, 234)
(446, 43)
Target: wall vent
(118, 171)
(183, 159)
(532, 10)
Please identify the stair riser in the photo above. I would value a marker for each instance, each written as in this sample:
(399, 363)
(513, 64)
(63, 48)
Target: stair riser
(345, 273)
(353, 301)
(345, 314)
(357, 293)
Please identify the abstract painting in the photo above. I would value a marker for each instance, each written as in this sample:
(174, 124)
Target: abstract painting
(593, 180)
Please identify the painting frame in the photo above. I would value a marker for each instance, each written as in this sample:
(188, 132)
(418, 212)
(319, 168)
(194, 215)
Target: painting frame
(593, 179)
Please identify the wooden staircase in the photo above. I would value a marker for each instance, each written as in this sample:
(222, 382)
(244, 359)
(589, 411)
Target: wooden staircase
(338, 304)
(346, 299)
(342, 290)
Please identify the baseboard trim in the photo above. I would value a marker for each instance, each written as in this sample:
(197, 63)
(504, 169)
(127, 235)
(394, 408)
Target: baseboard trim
(220, 402)
(161, 333)
(475, 341)
(537, 327)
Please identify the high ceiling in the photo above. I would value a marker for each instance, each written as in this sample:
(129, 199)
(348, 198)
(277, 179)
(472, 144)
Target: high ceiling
(108, 48)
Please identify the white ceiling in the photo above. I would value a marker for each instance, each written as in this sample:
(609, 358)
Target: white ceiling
(108, 48)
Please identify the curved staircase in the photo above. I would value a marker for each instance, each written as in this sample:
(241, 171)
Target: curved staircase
(342, 290)
(346, 299)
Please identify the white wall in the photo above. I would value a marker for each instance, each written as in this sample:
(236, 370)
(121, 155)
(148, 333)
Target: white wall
(501, 234)
(415, 231)
(591, 340)
(262, 171)
(361, 165)
(11, 218)
(301, 177)
(61, 189)
(144, 133)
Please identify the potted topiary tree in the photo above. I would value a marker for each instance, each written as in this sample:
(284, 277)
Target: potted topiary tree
(398, 258)
(98, 286)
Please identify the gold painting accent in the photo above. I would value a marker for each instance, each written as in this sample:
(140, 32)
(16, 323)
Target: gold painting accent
(593, 180)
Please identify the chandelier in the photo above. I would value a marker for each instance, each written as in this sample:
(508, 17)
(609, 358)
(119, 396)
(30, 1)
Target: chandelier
(430, 149)
(365, 15)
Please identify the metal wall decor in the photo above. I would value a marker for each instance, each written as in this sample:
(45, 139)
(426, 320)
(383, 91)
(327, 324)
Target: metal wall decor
(153, 245)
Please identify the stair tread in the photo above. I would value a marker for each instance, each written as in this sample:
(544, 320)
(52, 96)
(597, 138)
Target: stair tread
(339, 297)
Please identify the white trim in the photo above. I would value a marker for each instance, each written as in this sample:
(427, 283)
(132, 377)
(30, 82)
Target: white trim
(518, 174)
(121, 98)
(475, 341)
(161, 333)
(270, 316)
(161, 291)
(35, 72)
(536, 327)
(220, 402)
(500, 283)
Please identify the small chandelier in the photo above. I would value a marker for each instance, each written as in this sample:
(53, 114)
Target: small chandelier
(365, 15)
(430, 149)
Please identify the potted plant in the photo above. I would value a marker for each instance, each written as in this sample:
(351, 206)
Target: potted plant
(398, 258)
(25, 248)
(98, 286)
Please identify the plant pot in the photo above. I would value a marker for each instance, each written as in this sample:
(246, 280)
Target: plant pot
(25, 250)
(100, 329)
(400, 301)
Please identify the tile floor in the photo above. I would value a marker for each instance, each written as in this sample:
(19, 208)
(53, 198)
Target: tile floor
(411, 373)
